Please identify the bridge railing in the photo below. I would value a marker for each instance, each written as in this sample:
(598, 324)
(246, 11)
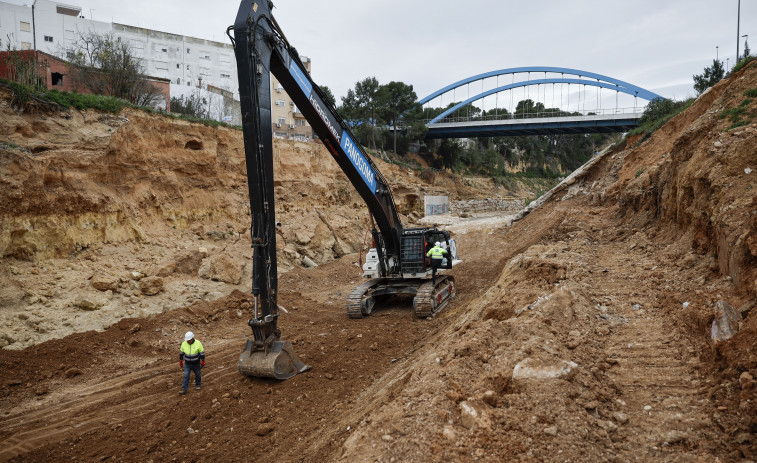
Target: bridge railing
(623, 112)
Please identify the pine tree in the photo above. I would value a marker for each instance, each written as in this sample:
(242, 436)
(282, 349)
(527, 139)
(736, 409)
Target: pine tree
(709, 77)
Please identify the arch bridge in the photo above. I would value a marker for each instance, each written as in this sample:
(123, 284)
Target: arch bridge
(538, 100)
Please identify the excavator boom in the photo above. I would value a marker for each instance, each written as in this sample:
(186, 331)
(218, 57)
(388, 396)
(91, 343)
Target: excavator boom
(398, 264)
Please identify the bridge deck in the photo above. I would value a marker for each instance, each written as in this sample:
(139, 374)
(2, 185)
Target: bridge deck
(536, 126)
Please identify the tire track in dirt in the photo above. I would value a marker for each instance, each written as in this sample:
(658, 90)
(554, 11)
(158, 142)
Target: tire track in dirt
(662, 407)
(102, 402)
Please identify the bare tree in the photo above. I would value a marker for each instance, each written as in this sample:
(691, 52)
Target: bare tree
(106, 65)
(22, 66)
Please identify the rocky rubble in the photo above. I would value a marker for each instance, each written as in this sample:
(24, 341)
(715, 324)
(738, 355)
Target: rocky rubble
(487, 205)
(109, 216)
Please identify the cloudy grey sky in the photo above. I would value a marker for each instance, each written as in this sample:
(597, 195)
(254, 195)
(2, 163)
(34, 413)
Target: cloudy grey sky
(655, 44)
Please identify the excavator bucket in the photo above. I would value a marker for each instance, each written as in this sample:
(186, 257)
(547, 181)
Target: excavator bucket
(278, 362)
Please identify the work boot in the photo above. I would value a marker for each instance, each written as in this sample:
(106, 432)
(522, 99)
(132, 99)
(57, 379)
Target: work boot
(182, 392)
(197, 388)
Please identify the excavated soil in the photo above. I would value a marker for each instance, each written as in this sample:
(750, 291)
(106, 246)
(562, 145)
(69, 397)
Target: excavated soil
(581, 332)
(110, 216)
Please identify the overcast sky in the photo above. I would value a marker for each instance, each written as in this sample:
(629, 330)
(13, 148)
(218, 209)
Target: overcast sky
(655, 44)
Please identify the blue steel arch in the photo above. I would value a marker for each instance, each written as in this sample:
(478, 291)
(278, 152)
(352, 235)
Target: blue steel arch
(531, 82)
(614, 84)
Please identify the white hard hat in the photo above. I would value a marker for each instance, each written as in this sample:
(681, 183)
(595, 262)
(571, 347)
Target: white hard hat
(438, 243)
(190, 335)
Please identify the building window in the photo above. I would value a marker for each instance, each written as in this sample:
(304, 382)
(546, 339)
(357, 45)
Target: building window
(178, 81)
(26, 45)
(187, 50)
(164, 50)
(302, 122)
(282, 121)
(187, 67)
(279, 102)
(57, 78)
(178, 66)
(48, 38)
(25, 26)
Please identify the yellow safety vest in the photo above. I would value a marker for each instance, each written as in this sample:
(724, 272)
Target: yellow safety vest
(192, 352)
(436, 253)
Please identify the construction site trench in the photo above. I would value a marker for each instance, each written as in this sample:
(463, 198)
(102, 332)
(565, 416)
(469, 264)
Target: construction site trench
(613, 322)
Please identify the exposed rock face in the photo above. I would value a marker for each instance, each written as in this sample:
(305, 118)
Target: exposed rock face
(130, 175)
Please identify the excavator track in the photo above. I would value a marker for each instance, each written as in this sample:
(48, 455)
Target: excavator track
(358, 305)
(430, 298)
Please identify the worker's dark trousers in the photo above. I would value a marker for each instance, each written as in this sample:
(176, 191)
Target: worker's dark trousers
(189, 369)
(435, 264)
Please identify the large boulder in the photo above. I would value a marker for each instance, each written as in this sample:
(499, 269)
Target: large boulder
(190, 262)
(151, 286)
(221, 268)
(726, 322)
(102, 281)
(11, 291)
(87, 302)
(543, 370)
(473, 414)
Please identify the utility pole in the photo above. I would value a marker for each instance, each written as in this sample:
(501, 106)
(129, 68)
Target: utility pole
(34, 40)
(738, 23)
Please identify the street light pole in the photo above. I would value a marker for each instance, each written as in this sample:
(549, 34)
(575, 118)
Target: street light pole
(717, 53)
(34, 40)
(738, 23)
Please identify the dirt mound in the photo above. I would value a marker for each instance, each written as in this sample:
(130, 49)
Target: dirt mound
(96, 205)
(595, 342)
(581, 332)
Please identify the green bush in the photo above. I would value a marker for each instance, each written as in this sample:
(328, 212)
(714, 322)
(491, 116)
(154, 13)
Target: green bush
(659, 111)
(741, 115)
(86, 101)
(22, 94)
(740, 65)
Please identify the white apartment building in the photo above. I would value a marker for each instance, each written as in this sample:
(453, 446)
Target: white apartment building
(185, 61)
(288, 121)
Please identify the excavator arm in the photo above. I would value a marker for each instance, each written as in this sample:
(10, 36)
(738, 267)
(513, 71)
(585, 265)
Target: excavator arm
(398, 265)
(261, 49)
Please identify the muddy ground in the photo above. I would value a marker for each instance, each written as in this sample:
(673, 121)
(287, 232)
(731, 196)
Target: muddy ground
(582, 332)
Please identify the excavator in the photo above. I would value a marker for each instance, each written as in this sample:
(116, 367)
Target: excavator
(395, 265)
